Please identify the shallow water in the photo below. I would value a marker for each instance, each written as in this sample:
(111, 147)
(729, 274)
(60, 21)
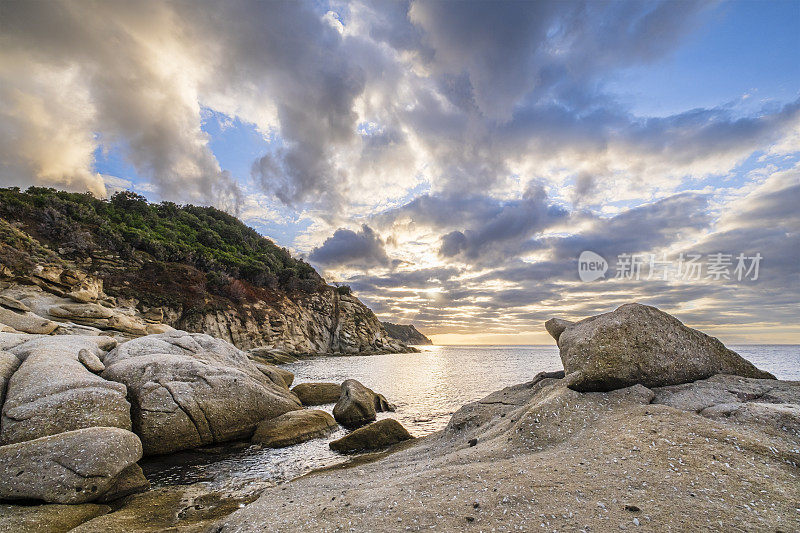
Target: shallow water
(426, 387)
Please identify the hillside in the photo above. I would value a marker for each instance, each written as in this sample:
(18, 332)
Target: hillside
(406, 333)
(199, 268)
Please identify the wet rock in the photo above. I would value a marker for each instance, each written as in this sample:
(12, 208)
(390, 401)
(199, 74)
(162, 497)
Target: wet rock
(374, 436)
(358, 405)
(640, 344)
(190, 390)
(317, 393)
(53, 518)
(294, 427)
(72, 467)
(129, 481)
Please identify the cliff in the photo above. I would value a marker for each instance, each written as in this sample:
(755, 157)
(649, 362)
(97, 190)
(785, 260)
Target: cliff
(191, 268)
(406, 333)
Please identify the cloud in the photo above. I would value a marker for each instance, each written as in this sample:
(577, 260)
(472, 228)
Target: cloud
(363, 249)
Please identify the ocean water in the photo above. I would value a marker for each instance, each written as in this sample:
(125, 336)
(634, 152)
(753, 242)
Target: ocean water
(427, 389)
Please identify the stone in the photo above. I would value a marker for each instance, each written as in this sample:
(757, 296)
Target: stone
(8, 365)
(358, 405)
(374, 436)
(129, 481)
(556, 326)
(154, 314)
(13, 303)
(72, 467)
(27, 322)
(641, 344)
(52, 391)
(317, 393)
(87, 291)
(52, 518)
(279, 376)
(155, 329)
(294, 427)
(190, 390)
(91, 361)
(126, 324)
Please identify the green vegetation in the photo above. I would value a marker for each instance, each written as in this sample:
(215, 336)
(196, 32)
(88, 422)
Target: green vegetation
(232, 256)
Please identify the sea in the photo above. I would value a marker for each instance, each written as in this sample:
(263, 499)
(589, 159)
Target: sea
(426, 387)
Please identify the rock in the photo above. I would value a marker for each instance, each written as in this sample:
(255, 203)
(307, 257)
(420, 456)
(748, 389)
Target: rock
(53, 518)
(155, 329)
(317, 393)
(72, 467)
(556, 326)
(13, 304)
(277, 375)
(190, 390)
(126, 324)
(52, 391)
(87, 313)
(374, 436)
(269, 355)
(8, 365)
(129, 481)
(405, 333)
(88, 290)
(294, 427)
(640, 344)
(91, 361)
(155, 314)
(27, 322)
(358, 405)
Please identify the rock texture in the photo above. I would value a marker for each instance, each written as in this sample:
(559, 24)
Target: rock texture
(53, 518)
(294, 427)
(358, 405)
(406, 333)
(317, 393)
(72, 467)
(641, 344)
(543, 453)
(52, 391)
(374, 436)
(189, 390)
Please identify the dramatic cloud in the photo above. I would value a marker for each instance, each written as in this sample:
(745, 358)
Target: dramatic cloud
(481, 146)
(346, 247)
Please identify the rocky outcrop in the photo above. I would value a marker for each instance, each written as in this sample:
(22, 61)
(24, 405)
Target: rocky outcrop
(318, 393)
(406, 333)
(294, 427)
(640, 344)
(358, 405)
(129, 481)
(52, 391)
(375, 436)
(72, 467)
(188, 390)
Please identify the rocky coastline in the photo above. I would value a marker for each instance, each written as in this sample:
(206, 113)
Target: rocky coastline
(649, 419)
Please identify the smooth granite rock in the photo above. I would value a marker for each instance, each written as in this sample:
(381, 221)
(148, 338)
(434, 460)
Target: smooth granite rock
(294, 427)
(318, 393)
(72, 467)
(374, 436)
(641, 344)
(52, 391)
(358, 405)
(26, 322)
(190, 390)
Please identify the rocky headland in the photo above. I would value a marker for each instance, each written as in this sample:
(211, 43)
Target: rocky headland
(406, 333)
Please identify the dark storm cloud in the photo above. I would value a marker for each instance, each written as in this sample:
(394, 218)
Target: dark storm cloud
(346, 247)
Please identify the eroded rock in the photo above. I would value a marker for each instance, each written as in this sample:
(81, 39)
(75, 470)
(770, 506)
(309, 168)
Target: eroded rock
(294, 427)
(72, 467)
(358, 405)
(374, 436)
(640, 344)
(318, 393)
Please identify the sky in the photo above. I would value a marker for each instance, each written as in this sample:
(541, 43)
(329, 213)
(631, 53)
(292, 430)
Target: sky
(450, 161)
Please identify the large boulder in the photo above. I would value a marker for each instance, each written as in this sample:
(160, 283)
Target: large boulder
(318, 393)
(26, 322)
(358, 405)
(294, 427)
(72, 467)
(190, 389)
(641, 344)
(52, 391)
(374, 436)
